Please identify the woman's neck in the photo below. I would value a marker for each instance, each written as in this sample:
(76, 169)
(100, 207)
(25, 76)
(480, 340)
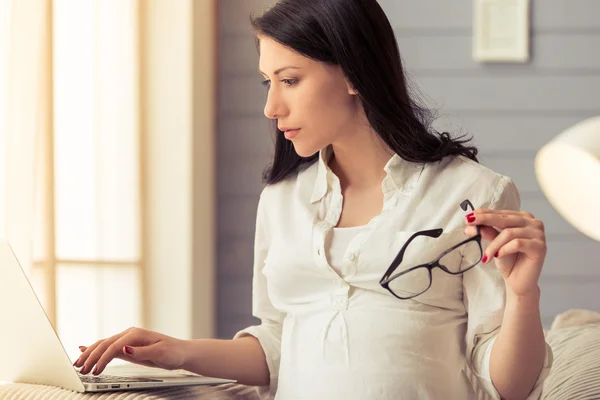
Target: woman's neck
(359, 160)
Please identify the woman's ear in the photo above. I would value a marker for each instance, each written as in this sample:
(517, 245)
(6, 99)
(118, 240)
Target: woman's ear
(350, 88)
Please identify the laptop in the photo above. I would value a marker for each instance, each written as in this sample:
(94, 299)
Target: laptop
(31, 351)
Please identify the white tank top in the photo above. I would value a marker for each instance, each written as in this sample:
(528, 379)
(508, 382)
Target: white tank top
(339, 239)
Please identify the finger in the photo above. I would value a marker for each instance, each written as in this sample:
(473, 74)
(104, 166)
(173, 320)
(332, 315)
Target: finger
(504, 237)
(85, 354)
(516, 248)
(508, 235)
(97, 352)
(81, 349)
(117, 348)
(90, 361)
(498, 220)
(525, 214)
(533, 248)
(113, 351)
(487, 232)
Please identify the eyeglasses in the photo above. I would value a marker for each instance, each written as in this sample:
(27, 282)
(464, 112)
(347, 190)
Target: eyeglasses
(417, 280)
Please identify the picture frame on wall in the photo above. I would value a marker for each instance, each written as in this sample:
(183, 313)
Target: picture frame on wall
(501, 30)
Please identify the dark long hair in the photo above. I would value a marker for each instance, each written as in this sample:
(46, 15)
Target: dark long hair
(357, 35)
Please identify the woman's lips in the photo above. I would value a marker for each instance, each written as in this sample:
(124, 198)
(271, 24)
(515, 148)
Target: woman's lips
(291, 133)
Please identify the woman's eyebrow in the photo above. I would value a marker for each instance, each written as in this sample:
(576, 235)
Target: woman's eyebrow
(277, 71)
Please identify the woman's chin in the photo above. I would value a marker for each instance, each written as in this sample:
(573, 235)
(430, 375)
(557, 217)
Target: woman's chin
(304, 151)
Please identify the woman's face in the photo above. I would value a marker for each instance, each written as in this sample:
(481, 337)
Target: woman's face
(311, 98)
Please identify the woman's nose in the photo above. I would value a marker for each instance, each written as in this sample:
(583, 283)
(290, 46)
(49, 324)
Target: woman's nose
(274, 107)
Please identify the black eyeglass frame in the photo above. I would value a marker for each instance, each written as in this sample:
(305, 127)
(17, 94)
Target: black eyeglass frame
(434, 233)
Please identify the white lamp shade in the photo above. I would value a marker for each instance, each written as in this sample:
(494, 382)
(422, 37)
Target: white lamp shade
(568, 171)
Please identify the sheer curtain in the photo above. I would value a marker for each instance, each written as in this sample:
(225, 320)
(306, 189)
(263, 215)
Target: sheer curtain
(97, 169)
(104, 248)
(69, 159)
(24, 118)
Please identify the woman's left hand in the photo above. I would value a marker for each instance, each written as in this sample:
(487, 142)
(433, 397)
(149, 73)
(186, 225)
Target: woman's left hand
(518, 242)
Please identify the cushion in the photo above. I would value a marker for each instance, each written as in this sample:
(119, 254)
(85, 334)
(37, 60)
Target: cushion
(575, 342)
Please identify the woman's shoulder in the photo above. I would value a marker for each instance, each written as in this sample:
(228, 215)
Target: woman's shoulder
(462, 165)
(461, 174)
(461, 168)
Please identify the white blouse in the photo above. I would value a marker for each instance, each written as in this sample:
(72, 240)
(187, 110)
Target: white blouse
(330, 334)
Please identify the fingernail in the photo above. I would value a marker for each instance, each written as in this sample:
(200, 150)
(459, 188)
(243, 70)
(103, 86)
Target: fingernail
(95, 371)
(470, 218)
(484, 259)
(496, 255)
(82, 370)
(82, 348)
(128, 350)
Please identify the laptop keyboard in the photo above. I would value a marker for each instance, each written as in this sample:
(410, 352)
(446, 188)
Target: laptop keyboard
(113, 379)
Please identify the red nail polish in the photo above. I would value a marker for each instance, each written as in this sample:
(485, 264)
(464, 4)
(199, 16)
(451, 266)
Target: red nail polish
(128, 350)
(496, 255)
(470, 215)
(484, 259)
(470, 218)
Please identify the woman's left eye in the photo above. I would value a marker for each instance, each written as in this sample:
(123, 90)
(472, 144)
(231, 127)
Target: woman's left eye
(289, 82)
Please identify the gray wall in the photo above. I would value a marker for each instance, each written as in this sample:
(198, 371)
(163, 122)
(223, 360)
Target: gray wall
(511, 110)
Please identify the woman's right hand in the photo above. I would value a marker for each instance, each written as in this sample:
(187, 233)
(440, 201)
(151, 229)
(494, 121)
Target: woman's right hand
(136, 345)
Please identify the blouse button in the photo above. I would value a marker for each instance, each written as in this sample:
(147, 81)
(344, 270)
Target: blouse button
(352, 257)
(340, 304)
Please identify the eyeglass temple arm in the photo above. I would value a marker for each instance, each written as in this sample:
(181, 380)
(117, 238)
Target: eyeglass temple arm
(434, 233)
(466, 204)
